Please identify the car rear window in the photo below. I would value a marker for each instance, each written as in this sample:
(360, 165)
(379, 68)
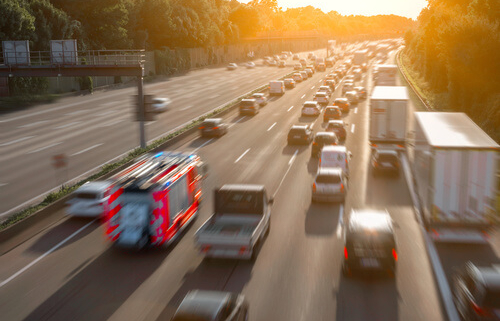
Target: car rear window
(297, 131)
(325, 139)
(247, 103)
(331, 111)
(328, 179)
(86, 196)
(245, 202)
(309, 106)
(387, 158)
(209, 123)
(492, 299)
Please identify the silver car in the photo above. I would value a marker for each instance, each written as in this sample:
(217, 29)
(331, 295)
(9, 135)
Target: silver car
(330, 185)
(89, 199)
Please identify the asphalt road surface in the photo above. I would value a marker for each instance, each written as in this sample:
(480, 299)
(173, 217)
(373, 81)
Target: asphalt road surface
(297, 275)
(94, 129)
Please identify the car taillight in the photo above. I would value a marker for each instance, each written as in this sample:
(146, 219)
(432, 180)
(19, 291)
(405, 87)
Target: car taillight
(201, 127)
(242, 249)
(479, 311)
(375, 164)
(314, 143)
(394, 254)
(217, 127)
(314, 187)
(205, 248)
(346, 255)
(342, 188)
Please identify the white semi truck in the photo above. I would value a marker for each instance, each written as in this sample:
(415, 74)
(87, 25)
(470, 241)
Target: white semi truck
(360, 57)
(454, 164)
(388, 117)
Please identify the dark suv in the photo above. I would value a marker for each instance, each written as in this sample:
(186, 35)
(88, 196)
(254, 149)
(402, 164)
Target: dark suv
(321, 139)
(369, 243)
(332, 112)
(476, 292)
(300, 134)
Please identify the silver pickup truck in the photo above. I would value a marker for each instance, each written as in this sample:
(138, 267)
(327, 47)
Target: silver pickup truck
(241, 220)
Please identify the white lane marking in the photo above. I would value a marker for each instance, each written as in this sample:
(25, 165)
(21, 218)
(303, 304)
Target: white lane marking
(293, 157)
(236, 122)
(15, 275)
(33, 124)
(107, 112)
(150, 122)
(303, 96)
(271, 127)
(320, 80)
(214, 96)
(352, 128)
(290, 108)
(43, 148)
(108, 103)
(3, 184)
(356, 110)
(86, 149)
(16, 141)
(111, 123)
(67, 125)
(187, 107)
(202, 145)
(76, 112)
(313, 87)
(242, 156)
(341, 221)
(290, 162)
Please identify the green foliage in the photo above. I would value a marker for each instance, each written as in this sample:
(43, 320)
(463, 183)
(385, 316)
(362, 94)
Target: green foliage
(456, 50)
(169, 62)
(28, 86)
(86, 83)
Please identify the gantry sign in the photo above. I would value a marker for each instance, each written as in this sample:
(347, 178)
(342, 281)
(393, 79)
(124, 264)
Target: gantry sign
(64, 60)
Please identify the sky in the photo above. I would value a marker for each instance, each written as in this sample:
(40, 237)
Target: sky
(406, 8)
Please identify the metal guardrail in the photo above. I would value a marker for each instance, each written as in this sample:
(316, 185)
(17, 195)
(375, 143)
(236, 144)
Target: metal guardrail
(72, 58)
(422, 100)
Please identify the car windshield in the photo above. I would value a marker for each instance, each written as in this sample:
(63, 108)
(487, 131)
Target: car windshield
(309, 105)
(335, 125)
(322, 139)
(328, 179)
(209, 123)
(331, 111)
(86, 196)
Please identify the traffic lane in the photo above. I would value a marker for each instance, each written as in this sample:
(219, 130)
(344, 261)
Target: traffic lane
(51, 301)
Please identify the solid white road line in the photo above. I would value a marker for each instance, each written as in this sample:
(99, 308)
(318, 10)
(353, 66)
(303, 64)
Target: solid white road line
(86, 149)
(236, 122)
(15, 275)
(271, 127)
(16, 141)
(303, 96)
(242, 156)
(340, 225)
(150, 122)
(290, 162)
(356, 110)
(313, 87)
(3, 184)
(67, 125)
(187, 107)
(320, 80)
(43, 148)
(290, 108)
(214, 96)
(202, 145)
(352, 128)
(107, 112)
(33, 124)
(293, 157)
(76, 112)
(112, 123)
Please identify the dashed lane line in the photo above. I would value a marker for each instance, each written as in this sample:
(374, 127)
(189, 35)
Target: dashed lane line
(237, 160)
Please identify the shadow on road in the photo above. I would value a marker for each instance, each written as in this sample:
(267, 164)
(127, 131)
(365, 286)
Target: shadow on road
(322, 219)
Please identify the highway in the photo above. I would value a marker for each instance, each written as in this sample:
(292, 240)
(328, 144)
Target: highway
(92, 130)
(297, 275)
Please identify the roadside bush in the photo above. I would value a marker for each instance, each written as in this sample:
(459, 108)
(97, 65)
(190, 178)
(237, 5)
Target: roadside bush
(22, 86)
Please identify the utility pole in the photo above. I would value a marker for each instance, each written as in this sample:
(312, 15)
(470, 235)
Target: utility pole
(142, 113)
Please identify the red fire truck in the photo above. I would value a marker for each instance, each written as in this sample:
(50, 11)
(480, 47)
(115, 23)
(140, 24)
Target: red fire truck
(153, 200)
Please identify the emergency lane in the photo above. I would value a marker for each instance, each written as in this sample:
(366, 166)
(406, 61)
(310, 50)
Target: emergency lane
(297, 273)
(105, 119)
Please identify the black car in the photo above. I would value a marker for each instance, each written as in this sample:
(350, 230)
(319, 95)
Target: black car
(369, 243)
(385, 161)
(332, 112)
(212, 306)
(337, 127)
(213, 127)
(476, 292)
(300, 134)
(322, 139)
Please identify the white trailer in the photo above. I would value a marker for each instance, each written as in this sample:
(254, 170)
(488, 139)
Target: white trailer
(388, 117)
(360, 57)
(454, 164)
(385, 75)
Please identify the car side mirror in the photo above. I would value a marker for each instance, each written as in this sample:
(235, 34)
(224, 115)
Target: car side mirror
(271, 201)
(349, 154)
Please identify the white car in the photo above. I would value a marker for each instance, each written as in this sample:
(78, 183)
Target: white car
(297, 77)
(250, 65)
(330, 185)
(321, 97)
(160, 104)
(89, 199)
(260, 98)
(310, 108)
(232, 66)
(352, 96)
(326, 89)
(297, 66)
